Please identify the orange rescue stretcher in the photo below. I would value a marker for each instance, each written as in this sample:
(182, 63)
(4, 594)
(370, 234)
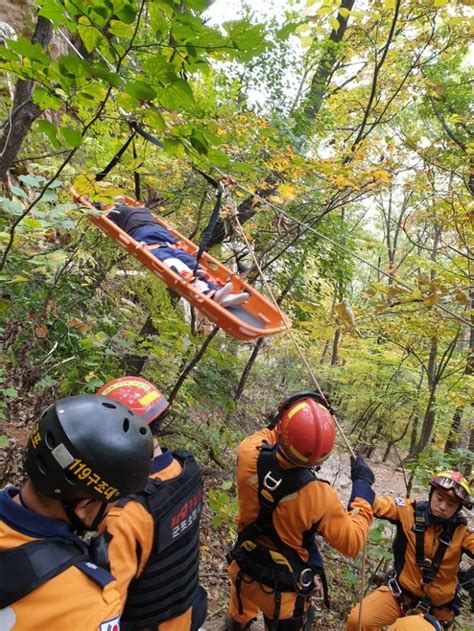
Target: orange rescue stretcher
(257, 317)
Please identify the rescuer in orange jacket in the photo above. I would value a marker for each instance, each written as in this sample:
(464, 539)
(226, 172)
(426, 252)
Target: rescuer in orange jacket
(82, 454)
(275, 566)
(430, 540)
(154, 547)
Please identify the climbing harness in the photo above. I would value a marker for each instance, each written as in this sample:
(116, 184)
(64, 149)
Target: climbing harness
(411, 603)
(277, 568)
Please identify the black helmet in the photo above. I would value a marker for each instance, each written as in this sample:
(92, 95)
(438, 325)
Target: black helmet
(89, 446)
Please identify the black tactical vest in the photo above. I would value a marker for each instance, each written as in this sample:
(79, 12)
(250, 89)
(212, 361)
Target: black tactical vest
(168, 584)
(28, 566)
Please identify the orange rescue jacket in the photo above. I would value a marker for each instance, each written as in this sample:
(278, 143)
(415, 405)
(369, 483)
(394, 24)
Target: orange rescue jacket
(70, 600)
(441, 590)
(316, 505)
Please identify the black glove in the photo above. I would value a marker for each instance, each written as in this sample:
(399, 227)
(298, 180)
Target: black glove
(466, 579)
(360, 470)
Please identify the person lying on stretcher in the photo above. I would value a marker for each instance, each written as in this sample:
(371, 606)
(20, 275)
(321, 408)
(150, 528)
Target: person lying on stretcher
(140, 224)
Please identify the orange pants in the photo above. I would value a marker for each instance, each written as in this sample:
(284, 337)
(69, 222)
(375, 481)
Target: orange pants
(411, 623)
(380, 609)
(255, 600)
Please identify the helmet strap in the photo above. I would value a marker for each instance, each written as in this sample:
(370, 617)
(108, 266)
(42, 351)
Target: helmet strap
(98, 518)
(78, 526)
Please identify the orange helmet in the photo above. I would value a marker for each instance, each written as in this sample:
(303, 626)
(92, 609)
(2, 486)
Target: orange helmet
(138, 394)
(305, 429)
(454, 483)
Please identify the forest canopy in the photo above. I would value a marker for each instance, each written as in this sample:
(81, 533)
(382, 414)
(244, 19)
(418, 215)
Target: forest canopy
(345, 129)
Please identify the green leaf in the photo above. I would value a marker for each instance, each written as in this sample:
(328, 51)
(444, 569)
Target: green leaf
(17, 191)
(198, 5)
(102, 71)
(30, 180)
(54, 11)
(12, 206)
(90, 35)
(177, 95)
(140, 90)
(120, 29)
(10, 392)
(126, 13)
(155, 120)
(174, 147)
(31, 51)
(199, 142)
(3, 440)
(46, 100)
(72, 137)
(7, 55)
(50, 130)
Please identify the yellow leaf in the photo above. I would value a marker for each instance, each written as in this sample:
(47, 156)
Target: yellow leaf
(430, 300)
(275, 199)
(324, 10)
(334, 23)
(381, 174)
(307, 41)
(287, 191)
(341, 181)
(461, 297)
(90, 375)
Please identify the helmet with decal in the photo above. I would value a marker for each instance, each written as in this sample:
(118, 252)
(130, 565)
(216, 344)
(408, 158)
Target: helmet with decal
(89, 446)
(138, 395)
(305, 429)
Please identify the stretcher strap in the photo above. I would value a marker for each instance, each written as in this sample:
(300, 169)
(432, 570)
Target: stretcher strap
(101, 175)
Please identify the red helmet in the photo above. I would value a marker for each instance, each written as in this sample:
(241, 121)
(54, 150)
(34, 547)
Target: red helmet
(305, 429)
(455, 484)
(139, 395)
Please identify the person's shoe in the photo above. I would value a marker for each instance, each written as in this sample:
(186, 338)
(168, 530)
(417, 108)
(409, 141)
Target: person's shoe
(222, 293)
(232, 300)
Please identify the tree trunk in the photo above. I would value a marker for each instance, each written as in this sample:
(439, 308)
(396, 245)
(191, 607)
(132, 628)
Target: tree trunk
(453, 436)
(248, 368)
(134, 362)
(23, 111)
(195, 360)
(387, 450)
(413, 437)
(335, 346)
(467, 469)
(247, 209)
(430, 414)
(314, 99)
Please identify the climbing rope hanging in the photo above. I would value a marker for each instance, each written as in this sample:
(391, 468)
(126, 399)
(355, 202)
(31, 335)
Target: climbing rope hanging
(339, 246)
(235, 218)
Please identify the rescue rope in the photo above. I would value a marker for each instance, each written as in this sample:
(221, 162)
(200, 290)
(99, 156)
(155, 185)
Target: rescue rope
(337, 245)
(234, 216)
